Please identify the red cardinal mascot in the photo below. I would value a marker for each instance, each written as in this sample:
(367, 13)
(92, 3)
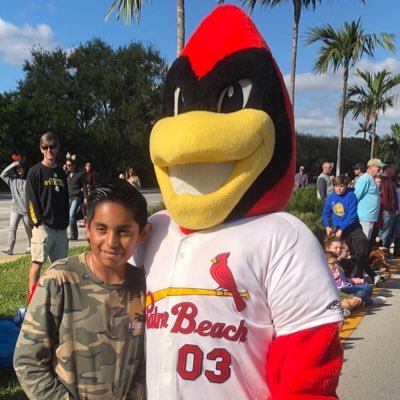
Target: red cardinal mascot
(223, 154)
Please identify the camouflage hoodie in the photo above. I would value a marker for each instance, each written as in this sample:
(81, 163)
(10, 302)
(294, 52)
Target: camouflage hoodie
(83, 338)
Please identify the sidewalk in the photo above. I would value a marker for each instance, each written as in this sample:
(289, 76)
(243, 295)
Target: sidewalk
(372, 351)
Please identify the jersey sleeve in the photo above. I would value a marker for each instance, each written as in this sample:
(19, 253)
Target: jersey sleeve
(321, 187)
(306, 365)
(33, 352)
(300, 289)
(32, 198)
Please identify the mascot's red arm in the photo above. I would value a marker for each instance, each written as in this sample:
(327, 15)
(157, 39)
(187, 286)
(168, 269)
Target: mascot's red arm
(306, 364)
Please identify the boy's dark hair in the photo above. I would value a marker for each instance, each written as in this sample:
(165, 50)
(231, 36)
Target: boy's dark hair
(341, 180)
(119, 192)
(329, 240)
(330, 254)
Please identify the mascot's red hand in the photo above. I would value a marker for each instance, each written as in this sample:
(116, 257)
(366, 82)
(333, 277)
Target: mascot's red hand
(306, 365)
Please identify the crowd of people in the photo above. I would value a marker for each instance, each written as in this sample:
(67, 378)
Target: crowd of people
(359, 216)
(48, 198)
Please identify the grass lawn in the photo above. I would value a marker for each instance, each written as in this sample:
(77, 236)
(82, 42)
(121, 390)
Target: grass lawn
(13, 295)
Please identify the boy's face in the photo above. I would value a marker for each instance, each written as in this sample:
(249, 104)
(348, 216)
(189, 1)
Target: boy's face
(340, 189)
(113, 235)
(335, 247)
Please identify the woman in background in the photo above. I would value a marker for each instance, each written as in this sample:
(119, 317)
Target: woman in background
(132, 178)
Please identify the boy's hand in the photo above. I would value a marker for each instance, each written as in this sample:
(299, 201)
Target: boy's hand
(339, 233)
(329, 231)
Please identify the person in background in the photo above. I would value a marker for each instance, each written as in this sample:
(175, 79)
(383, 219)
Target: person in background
(15, 177)
(389, 203)
(89, 179)
(368, 197)
(48, 207)
(324, 181)
(300, 179)
(75, 190)
(359, 170)
(396, 227)
(132, 178)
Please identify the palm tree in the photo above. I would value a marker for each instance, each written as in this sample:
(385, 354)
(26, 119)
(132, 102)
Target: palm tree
(344, 47)
(297, 7)
(372, 98)
(131, 8)
(365, 127)
(388, 147)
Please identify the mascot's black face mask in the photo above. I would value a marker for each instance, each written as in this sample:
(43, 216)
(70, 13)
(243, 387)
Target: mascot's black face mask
(224, 148)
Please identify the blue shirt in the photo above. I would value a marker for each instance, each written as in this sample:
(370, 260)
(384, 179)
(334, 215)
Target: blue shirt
(341, 208)
(368, 198)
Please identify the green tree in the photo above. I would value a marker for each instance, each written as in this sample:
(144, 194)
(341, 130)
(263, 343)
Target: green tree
(298, 5)
(131, 8)
(374, 96)
(388, 148)
(343, 48)
(101, 102)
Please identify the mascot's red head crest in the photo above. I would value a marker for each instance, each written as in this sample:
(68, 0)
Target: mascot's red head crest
(225, 146)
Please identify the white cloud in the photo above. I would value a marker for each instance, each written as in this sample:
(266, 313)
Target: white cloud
(318, 96)
(17, 42)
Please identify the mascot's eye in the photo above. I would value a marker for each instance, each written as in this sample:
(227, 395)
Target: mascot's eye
(234, 97)
(178, 101)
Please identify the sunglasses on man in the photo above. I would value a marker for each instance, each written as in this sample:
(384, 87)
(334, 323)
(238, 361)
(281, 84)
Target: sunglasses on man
(51, 147)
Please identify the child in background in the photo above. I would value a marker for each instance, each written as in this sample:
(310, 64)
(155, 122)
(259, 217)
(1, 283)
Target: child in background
(346, 261)
(340, 209)
(362, 290)
(83, 335)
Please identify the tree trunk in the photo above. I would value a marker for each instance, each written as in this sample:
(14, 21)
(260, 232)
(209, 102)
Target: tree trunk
(297, 13)
(341, 117)
(180, 9)
(373, 137)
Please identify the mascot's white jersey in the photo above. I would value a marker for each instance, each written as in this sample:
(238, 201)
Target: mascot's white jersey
(218, 297)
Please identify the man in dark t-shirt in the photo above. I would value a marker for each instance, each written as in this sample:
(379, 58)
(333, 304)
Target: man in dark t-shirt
(48, 206)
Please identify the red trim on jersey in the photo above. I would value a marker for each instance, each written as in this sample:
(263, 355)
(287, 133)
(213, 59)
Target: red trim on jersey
(225, 31)
(306, 365)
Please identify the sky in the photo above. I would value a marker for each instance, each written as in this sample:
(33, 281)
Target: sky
(68, 23)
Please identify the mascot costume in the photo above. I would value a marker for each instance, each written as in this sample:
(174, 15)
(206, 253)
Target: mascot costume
(241, 304)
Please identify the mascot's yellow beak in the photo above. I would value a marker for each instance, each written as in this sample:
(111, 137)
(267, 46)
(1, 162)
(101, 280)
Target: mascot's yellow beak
(206, 161)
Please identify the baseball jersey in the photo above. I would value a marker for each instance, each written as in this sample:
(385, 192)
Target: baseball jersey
(217, 298)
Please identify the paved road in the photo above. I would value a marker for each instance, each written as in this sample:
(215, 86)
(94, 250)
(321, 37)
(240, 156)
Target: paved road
(372, 352)
(153, 198)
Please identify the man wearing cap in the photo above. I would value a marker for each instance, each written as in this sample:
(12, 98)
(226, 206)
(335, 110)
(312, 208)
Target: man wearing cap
(324, 181)
(359, 170)
(367, 194)
(368, 197)
(389, 203)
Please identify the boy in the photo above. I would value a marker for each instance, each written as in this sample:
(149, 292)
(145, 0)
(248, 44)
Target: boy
(82, 337)
(341, 208)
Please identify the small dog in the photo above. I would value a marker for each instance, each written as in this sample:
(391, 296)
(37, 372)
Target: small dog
(378, 259)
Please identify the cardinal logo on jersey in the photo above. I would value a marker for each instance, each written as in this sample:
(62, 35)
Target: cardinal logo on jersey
(221, 273)
(223, 276)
